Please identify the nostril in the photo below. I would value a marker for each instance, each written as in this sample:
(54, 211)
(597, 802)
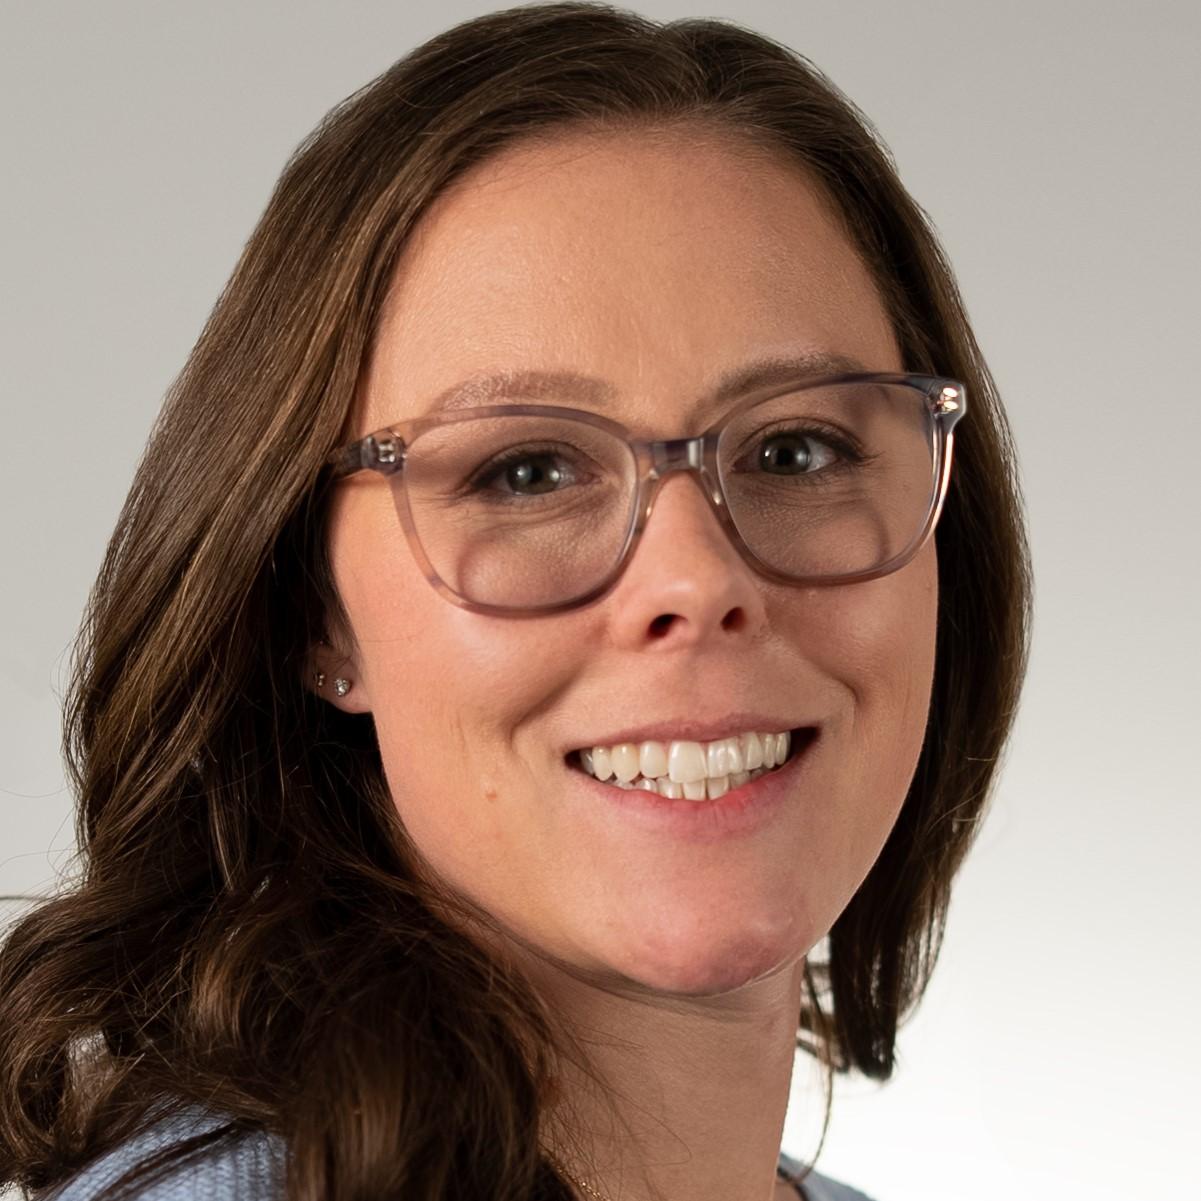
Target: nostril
(735, 620)
(662, 624)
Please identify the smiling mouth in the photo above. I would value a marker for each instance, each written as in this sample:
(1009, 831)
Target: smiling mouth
(692, 770)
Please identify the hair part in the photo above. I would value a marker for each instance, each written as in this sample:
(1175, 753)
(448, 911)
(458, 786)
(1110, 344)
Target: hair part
(252, 928)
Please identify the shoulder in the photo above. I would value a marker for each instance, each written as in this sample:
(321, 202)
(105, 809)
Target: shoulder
(816, 1187)
(250, 1167)
(246, 1167)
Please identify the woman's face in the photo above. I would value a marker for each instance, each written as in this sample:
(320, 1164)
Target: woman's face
(656, 265)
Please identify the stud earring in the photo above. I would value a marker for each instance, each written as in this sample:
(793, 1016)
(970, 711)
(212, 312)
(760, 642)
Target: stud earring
(341, 686)
(320, 678)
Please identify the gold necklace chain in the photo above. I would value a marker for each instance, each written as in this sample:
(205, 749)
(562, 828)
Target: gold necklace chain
(780, 1175)
(583, 1184)
(576, 1180)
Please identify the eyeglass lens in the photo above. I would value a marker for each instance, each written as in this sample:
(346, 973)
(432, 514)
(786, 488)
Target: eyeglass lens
(528, 511)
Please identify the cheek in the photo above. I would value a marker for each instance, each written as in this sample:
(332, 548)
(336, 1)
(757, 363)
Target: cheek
(876, 642)
(878, 639)
(450, 693)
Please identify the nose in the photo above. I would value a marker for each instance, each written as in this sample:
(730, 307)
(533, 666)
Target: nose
(685, 581)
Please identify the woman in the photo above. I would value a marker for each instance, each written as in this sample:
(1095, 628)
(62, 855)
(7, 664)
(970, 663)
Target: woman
(524, 698)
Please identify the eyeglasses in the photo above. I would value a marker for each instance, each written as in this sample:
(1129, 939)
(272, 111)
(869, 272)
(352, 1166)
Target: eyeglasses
(527, 509)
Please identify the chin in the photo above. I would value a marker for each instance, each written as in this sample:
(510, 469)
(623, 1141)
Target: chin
(701, 959)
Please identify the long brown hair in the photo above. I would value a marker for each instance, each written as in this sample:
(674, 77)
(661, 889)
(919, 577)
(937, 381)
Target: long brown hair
(249, 929)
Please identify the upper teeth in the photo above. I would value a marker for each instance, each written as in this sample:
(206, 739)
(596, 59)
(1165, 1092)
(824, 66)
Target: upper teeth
(686, 762)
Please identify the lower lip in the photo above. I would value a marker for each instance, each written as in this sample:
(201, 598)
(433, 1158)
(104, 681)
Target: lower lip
(742, 810)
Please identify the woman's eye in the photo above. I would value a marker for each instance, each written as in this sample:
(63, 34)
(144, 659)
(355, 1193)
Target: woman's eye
(525, 474)
(794, 454)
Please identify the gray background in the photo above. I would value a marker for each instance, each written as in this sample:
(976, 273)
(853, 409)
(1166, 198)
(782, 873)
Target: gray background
(1056, 148)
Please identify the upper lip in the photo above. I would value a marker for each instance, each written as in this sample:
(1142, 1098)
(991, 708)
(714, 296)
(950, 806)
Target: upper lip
(691, 730)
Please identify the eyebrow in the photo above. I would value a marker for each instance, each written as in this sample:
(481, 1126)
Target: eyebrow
(570, 385)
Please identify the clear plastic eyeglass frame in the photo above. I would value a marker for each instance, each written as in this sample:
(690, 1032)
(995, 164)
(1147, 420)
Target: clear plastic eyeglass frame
(385, 450)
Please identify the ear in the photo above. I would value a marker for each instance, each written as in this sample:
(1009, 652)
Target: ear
(326, 665)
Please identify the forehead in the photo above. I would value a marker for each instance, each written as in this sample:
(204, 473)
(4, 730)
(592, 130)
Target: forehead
(656, 262)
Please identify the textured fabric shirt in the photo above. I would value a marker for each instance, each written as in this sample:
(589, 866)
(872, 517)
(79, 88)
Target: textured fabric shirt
(252, 1168)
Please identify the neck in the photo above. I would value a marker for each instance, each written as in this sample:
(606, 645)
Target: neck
(674, 1096)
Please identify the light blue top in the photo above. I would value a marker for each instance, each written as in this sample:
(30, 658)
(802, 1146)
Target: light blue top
(252, 1168)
